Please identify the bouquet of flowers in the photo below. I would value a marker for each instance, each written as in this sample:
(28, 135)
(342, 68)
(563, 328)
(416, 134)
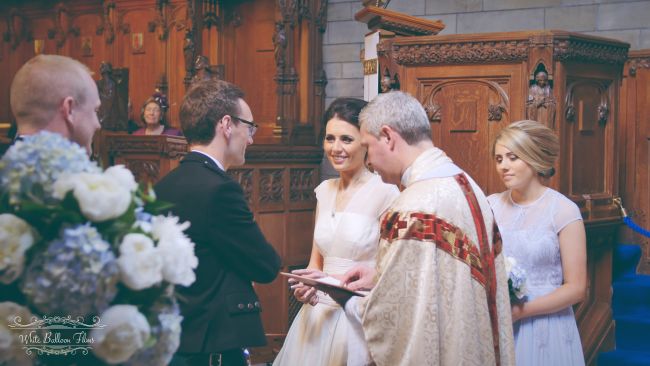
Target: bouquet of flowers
(80, 243)
(516, 280)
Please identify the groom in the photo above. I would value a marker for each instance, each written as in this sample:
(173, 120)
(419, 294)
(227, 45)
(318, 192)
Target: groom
(221, 310)
(439, 291)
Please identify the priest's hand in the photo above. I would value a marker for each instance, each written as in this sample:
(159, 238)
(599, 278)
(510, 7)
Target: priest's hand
(359, 278)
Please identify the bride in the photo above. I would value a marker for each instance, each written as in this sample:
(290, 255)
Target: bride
(346, 233)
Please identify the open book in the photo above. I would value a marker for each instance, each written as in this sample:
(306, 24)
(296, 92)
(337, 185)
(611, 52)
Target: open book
(322, 282)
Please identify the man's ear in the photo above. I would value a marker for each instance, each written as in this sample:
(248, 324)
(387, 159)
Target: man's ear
(388, 135)
(66, 110)
(225, 125)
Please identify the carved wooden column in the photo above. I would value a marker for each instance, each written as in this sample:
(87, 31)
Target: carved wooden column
(286, 76)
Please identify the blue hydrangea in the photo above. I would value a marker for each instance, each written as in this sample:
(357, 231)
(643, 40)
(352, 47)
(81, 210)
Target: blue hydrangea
(166, 331)
(75, 275)
(31, 166)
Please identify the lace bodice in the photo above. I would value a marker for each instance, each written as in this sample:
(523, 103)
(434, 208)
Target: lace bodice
(530, 235)
(349, 236)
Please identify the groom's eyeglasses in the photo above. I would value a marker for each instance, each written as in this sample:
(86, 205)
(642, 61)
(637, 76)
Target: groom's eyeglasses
(252, 126)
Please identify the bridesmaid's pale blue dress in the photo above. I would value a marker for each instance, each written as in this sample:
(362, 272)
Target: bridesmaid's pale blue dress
(530, 235)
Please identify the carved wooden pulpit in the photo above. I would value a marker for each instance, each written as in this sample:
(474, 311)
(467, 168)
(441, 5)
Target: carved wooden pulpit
(148, 157)
(473, 85)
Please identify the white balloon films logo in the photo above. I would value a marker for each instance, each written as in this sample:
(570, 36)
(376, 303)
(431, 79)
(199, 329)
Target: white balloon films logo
(56, 335)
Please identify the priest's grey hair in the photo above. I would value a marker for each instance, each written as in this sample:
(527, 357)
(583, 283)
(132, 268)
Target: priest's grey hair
(399, 110)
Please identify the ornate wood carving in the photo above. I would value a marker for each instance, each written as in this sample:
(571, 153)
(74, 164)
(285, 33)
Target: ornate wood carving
(189, 53)
(173, 148)
(638, 62)
(271, 185)
(280, 47)
(211, 13)
(245, 179)
(495, 108)
(585, 51)
(144, 170)
(460, 53)
(320, 81)
(302, 184)
(288, 9)
(62, 26)
(258, 153)
(17, 28)
(434, 110)
(161, 21)
(321, 17)
(113, 90)
(495, 112)
(602, 109)
(108, 9)
(303, 11)
(541, 105)
(123, 27)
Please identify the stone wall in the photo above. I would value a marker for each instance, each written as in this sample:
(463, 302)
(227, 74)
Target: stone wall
(628, 21)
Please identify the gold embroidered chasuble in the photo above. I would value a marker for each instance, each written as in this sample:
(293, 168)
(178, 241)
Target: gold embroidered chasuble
(429, 306)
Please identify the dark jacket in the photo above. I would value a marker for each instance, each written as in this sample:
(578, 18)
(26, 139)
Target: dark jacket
(221, 310)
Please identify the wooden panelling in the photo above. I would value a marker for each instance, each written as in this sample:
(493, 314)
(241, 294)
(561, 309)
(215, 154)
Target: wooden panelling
(467, 106)
(635, 149)
(249, 64)
(136, 47)
(474, 85)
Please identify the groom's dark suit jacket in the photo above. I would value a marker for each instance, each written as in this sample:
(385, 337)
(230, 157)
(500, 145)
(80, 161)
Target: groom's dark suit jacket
(221, 310)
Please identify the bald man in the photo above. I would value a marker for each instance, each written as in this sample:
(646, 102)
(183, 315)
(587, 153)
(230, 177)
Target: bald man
(57, 94)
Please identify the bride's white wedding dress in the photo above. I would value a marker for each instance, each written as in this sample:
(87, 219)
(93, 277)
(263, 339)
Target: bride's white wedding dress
(319, 334)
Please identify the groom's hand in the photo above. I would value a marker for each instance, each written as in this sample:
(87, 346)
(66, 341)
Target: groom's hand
(359, 278)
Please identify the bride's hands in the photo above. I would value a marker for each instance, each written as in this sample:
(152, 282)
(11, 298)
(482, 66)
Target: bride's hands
(304, 293)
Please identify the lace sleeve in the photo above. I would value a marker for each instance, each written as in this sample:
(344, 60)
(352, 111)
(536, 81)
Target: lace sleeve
(566, 212)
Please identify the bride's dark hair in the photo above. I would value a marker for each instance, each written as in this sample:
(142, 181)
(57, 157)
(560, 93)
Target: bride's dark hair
(346, 109)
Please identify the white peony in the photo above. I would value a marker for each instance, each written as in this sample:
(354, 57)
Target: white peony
(11, 351)
(176, 249)
(101, 197)
(16, 237)
(140, 262)
(125, 333)
(122, 175)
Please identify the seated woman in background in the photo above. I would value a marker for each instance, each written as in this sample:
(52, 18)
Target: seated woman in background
(543, 231)
(346, 233)
(153, 116)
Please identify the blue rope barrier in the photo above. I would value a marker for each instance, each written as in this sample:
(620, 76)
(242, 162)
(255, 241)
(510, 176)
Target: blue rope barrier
(632, 225)
(628, 221)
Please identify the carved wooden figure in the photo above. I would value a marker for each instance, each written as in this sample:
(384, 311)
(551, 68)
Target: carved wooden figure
(541, 104)
(113, 90)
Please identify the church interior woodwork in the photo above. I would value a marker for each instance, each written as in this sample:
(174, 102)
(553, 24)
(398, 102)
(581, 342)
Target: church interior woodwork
(567, 81)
